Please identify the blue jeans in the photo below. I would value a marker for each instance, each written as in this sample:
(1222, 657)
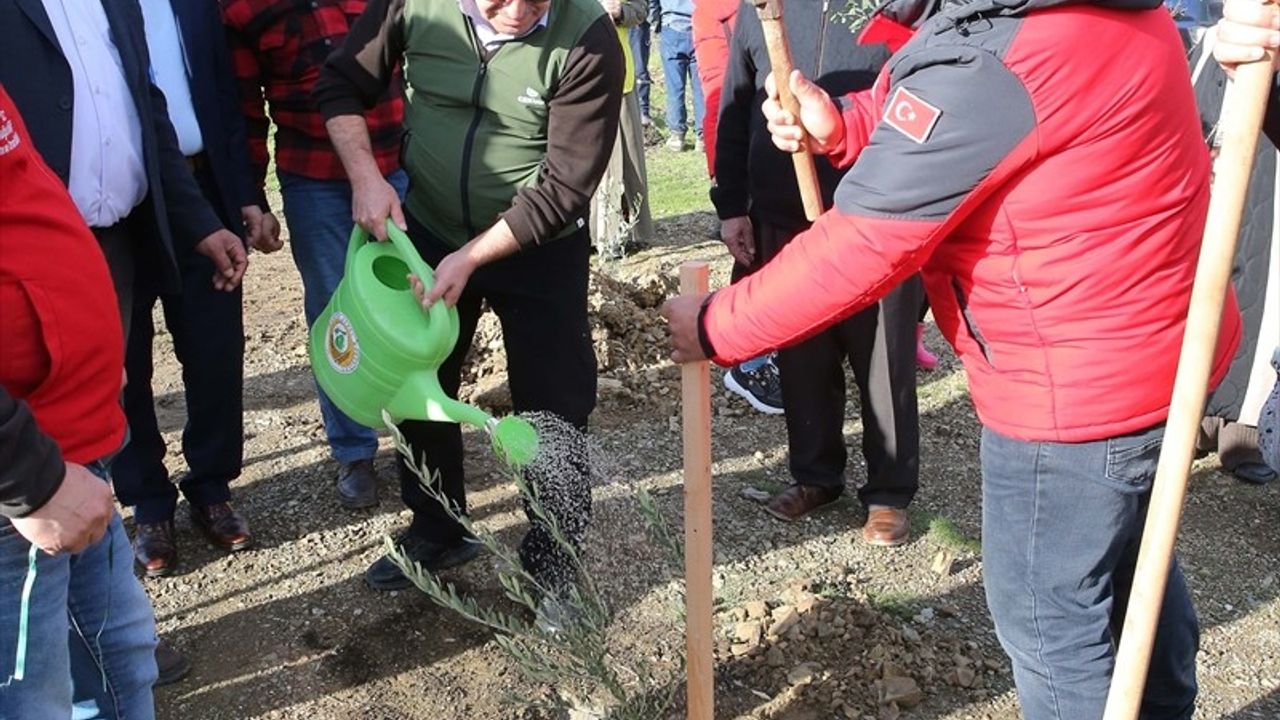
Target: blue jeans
(319, 217)
(1061, 528)
(681, 71)
(639, 38)
(90, 646)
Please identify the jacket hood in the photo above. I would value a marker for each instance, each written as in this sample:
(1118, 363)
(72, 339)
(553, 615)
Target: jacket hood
(914, 13)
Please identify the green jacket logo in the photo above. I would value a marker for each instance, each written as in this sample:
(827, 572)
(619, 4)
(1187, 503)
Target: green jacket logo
(531, 97)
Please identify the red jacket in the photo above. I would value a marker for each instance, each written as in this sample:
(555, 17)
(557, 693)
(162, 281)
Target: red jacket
(712, 29)
(1042, 163)
(63, 344)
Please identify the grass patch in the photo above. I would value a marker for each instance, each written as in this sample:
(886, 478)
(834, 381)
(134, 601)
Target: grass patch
(894, 603)
(944, 532)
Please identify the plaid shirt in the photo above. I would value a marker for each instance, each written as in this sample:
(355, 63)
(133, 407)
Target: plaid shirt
(278, 47)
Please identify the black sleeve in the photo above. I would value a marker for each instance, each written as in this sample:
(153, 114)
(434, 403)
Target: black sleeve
(1271, 121)
(731, 194)
(31, 467)
(581, 132)
(358, 74)
(229, 114)
(190, 217)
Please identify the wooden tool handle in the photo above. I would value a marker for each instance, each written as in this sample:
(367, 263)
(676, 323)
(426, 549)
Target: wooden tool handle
(775, 40)
(696, 411)
(1242, 111)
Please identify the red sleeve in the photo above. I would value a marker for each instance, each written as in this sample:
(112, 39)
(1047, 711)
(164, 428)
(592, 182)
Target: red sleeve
(713, 22)
(891, 210)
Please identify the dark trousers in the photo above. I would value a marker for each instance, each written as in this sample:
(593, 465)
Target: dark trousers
(540, 298)
(208, 339)
(641, 38)
(1061, 526)
(879, 344)
(118, 243)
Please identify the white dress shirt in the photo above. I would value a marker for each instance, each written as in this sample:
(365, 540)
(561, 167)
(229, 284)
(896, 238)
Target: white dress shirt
(172, 73)
(108, 178)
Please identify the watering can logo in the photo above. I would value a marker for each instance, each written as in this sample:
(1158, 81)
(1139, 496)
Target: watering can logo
(341, 347)
(373, 349)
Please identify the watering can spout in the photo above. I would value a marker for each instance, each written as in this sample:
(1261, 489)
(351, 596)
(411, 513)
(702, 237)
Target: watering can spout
(422, 398)
(514, 438)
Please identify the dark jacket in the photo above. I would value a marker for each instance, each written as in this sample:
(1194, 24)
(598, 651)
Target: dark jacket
(34, 71)
(752, 174)
(1254, 266)
(217, 103)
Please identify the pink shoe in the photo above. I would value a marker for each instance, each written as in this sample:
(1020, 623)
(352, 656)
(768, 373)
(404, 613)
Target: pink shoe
(925, 359)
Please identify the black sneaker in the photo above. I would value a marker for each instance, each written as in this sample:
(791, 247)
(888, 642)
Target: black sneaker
(384, 574)
(761, 387)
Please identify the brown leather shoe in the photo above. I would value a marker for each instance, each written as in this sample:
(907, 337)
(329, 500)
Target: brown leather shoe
(886, 526)
(798, 501)
(155, 549)
(223, 526)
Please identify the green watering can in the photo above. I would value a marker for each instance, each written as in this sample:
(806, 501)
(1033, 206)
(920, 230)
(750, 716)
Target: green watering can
(374, 349)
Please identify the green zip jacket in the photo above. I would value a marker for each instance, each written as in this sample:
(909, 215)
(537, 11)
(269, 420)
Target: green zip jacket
(521, 133)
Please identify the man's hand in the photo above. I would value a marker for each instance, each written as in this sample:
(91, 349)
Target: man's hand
(74, 518)
(452, 275)
(681, 313)
(739, 239)
(1247, 29)
(228, 256)
(262, 229)
(373, 200)
(819, 117)
(455, 269)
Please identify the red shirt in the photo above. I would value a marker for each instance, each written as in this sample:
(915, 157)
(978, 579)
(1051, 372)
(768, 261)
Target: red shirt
(63, 343)
(277, 48)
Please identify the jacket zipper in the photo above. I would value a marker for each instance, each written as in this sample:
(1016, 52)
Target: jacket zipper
(822, 38)
(469, 142)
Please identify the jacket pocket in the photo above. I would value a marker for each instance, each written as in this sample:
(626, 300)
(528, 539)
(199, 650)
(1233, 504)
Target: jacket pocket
(969, 323)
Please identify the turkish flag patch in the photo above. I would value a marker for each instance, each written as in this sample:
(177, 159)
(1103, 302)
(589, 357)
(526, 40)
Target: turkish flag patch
(910, 115)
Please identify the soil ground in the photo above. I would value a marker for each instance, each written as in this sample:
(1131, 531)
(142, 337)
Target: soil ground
(288, 630)
(811, 623)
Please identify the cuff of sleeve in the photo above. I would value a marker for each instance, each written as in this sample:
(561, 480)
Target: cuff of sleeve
(207, 230)
(703, 339)
(843, 103)
(728, 204)
(331, 106)
(48, 474)
(521, 228)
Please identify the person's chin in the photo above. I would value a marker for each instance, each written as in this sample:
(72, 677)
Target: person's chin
(515, 30)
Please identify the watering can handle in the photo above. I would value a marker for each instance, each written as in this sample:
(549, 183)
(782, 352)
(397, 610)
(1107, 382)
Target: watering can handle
(438, 314)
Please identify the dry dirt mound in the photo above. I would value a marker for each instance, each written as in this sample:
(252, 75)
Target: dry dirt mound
(628, 335)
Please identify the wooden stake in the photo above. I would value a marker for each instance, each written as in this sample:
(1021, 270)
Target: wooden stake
(696, 410)
(775, 41)
(1242, 111)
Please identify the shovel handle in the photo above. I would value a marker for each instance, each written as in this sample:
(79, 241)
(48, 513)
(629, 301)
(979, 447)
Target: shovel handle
(775, 40)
